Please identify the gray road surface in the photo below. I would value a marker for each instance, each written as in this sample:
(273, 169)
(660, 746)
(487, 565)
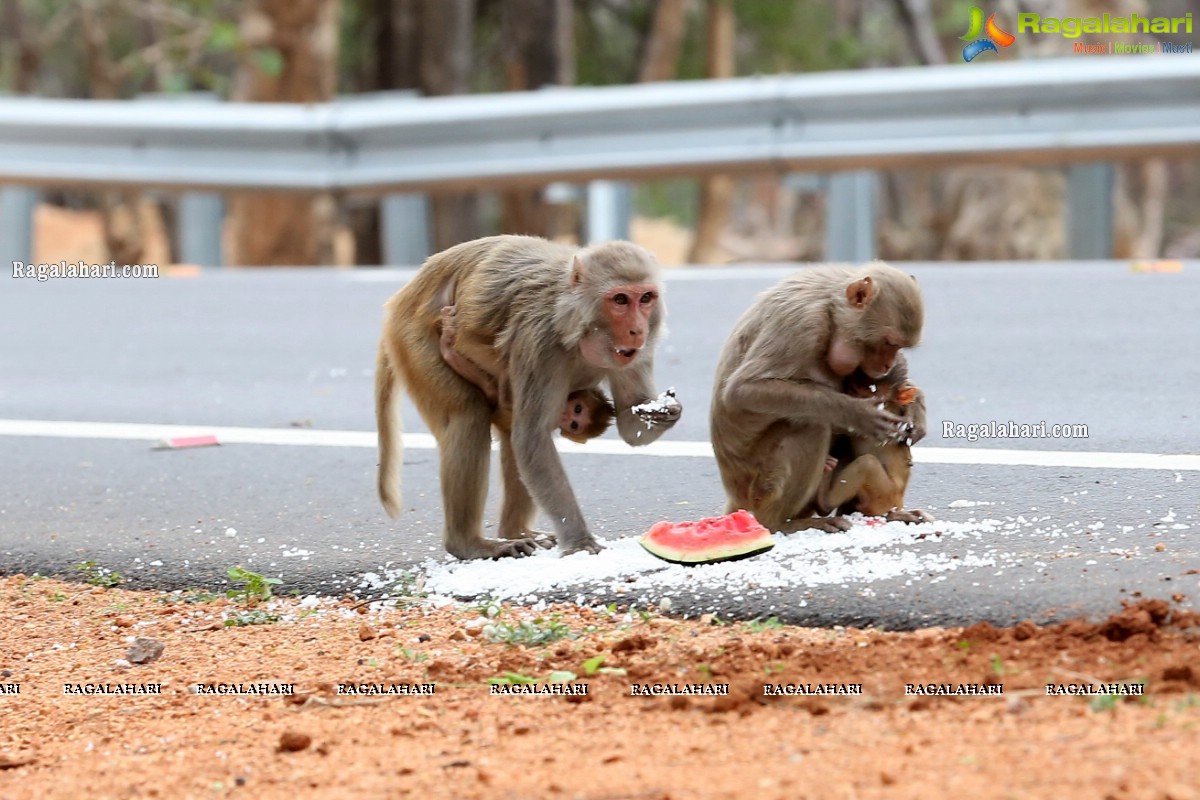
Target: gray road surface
(1066, 343)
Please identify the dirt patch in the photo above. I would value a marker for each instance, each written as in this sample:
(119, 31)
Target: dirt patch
(898, 715)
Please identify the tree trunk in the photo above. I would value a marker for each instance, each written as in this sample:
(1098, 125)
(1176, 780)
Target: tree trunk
(664, 42)
(276, 228)
(22, 44)
(538, 51)
(398, 44)
(120, 209)
(917, 17)
(716, 191)
(448, 31)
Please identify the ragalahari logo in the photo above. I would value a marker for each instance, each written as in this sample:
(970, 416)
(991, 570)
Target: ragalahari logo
(978, 42)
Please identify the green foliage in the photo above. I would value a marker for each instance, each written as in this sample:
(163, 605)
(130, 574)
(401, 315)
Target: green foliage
(180, 46)
(529, 633)
(254, 616)
(254, 588)
(97, 575)
(406, 588)
(491, 609)
(760, 625)
(415, 656)
(511, 679)
(269, 60)
(997, 666)
(594, 666)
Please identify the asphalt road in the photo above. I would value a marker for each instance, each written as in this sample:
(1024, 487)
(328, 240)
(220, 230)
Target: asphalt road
(1093, 344)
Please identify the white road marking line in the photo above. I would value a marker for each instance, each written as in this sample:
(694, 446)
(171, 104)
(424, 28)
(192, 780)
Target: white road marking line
(305, 437)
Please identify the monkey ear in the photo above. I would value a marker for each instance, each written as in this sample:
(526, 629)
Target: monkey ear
(861, 292)
(906, 395)
(577, 271)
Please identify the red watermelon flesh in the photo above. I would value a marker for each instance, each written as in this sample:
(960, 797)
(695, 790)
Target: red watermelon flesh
(736, 535)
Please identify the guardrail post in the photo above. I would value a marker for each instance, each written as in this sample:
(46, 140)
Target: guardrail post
(850, 216)
(405, 224)
(1090, 210)
(17, 204)
(201, 215)
(609, 207)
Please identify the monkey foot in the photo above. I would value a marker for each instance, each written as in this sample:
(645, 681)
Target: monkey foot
(586, 545)
(827, 524)
(913, 515)
(493, 549)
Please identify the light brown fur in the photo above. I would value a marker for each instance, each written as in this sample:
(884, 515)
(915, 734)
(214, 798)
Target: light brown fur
(777, 399)
(545, 313)
(875, 477)
(588, 412)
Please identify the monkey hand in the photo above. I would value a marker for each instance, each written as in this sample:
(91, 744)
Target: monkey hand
(663, 410)
(873, 424)
(914, 417)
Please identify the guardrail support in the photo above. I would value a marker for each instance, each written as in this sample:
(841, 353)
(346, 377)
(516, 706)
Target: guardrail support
(850, 216)
(201, 216)
(17, 204)
(405, 223)
(1090, 210)
(609, 208)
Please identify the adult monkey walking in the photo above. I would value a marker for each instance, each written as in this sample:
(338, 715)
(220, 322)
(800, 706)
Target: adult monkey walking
(555, 319)
(778, 398)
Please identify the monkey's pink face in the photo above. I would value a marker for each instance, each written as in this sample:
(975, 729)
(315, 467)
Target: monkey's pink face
(627, 310)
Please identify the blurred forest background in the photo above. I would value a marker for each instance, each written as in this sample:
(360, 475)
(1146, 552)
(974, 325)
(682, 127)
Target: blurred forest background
(304, 51)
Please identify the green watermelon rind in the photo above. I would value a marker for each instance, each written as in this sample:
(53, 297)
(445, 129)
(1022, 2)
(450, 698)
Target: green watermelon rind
(747, 546)
(695, 559)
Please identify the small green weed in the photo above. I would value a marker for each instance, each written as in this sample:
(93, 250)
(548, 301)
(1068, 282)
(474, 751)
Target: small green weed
(529, 633)
(97, 575)
(254, 588)
(761, 625)
(251, 617)
(595, 666)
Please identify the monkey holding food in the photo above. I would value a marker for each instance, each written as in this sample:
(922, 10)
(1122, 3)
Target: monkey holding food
(876, 474)
(778, 399)
(549, 317)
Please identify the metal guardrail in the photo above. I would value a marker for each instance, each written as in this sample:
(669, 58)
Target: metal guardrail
(1049, 110)
(1060, 110)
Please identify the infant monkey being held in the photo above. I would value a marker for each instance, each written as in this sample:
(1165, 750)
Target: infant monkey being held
(587, 414)
(876, 475)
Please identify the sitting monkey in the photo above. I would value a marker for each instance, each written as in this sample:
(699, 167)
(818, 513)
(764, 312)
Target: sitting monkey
(587, 414)
(876, 477)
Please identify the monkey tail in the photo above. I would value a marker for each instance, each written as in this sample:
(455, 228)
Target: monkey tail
(390, 425)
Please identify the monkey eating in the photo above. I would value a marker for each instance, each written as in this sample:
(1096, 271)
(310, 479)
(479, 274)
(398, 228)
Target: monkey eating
(548, 318)
(876, 476)
(778, 400)
(587, 414)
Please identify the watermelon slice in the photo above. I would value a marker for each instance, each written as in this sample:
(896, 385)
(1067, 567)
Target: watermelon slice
(736, 535)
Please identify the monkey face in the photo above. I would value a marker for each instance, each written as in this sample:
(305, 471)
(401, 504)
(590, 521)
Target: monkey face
(878, 361)
(576, 417)
(623, 327)
(627, 309)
